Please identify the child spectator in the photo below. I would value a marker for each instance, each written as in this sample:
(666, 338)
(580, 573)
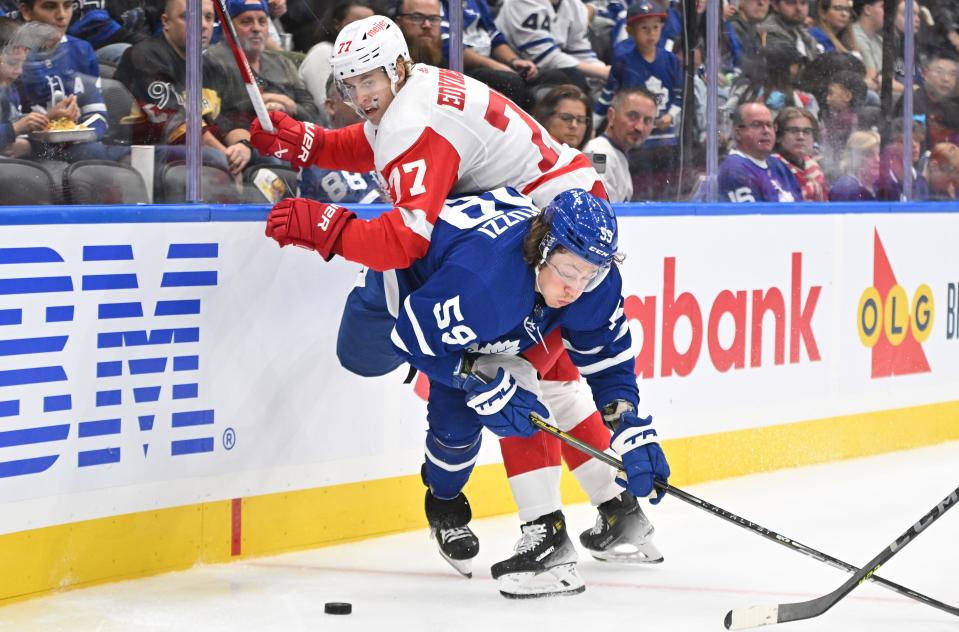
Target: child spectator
(62, 77)
(640, 61)
(13, 122)
(845, 93)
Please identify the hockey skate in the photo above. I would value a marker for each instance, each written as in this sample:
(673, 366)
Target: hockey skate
(448, 526)
(544, 564)
(622, 533)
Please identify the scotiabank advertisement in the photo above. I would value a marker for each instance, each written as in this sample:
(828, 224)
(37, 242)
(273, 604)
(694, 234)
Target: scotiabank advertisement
(150, 365)
(751, 321)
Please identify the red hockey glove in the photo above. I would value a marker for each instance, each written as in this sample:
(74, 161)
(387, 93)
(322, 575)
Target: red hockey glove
(294, 141)
(308, 224)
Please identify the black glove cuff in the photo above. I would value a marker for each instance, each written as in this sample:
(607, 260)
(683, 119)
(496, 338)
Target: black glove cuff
(614, 410)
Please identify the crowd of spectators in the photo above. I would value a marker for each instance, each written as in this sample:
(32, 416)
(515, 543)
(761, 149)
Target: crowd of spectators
(801, 111)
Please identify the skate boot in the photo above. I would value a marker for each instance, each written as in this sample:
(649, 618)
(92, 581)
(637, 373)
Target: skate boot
(622, 533)
(544, 564)
(448, 526)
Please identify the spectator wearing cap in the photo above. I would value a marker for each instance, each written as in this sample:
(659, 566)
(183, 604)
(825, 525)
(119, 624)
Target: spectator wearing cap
(553, 34)
(795, 133)
(630, 119)
(276, 75)
(786, 24)
(750, 173)
(640, 61)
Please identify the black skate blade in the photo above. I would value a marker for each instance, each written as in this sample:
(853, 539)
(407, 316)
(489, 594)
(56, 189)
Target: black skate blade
(629, 560)
(463, 567)
(564, 593)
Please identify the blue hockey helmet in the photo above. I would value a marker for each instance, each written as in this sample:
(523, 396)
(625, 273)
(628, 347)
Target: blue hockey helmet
(583, 224)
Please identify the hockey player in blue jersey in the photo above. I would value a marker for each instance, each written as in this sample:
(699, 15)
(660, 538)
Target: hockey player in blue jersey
(496, 279)
(750, 173)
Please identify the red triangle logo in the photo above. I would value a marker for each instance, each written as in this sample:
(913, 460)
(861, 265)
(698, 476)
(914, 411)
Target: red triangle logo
(887, 359)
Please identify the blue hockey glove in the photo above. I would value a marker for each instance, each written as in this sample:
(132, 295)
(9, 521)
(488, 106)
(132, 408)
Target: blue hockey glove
(503, 405)
(635, 441)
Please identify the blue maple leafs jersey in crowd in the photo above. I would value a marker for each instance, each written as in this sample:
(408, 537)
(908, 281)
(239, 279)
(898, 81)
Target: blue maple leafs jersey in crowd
(742, 179)
(663, 77)
(340, 186)
(70, 68)
(474, 293)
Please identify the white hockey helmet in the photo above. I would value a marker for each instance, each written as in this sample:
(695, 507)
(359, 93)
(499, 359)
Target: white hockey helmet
(367, 44)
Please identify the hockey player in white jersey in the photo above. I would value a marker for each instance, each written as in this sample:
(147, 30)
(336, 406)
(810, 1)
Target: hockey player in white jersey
(430, 132)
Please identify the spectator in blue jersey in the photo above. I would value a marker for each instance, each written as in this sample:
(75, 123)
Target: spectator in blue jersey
(110, 26)
(337, 185)
(13, 122)
(860, 168)
(741, 38)
(630, 119)
(640, 61)
(750, 173)
(61, 77)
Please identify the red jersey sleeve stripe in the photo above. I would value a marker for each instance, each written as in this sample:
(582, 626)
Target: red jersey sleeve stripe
(347, 149)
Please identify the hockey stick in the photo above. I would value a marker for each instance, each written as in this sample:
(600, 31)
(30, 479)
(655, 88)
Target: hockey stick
(229, 33)
(741, 618)
(770, 535)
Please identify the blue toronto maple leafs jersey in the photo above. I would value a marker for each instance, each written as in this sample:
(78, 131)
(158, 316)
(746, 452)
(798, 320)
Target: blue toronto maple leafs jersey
(474, 293)
(742, 179)
(663, 77)
(70, 68)
(340, 186)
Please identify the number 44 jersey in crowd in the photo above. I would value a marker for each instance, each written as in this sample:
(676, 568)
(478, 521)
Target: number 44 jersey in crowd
(446, 134)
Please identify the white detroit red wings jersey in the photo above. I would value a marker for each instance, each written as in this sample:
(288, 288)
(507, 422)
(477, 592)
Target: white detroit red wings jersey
(445, 133)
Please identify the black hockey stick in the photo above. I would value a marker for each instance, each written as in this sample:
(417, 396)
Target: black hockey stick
(744, 523)
(754, 616)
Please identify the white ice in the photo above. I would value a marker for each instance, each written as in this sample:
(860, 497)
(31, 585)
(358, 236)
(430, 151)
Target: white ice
(850, 510)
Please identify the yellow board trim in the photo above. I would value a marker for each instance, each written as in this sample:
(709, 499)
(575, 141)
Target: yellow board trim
(43, 560)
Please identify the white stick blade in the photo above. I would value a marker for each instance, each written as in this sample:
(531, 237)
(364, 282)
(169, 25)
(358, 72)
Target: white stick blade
(752, 617)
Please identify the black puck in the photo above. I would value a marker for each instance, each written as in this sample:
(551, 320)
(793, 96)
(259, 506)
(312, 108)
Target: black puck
(337, 607)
